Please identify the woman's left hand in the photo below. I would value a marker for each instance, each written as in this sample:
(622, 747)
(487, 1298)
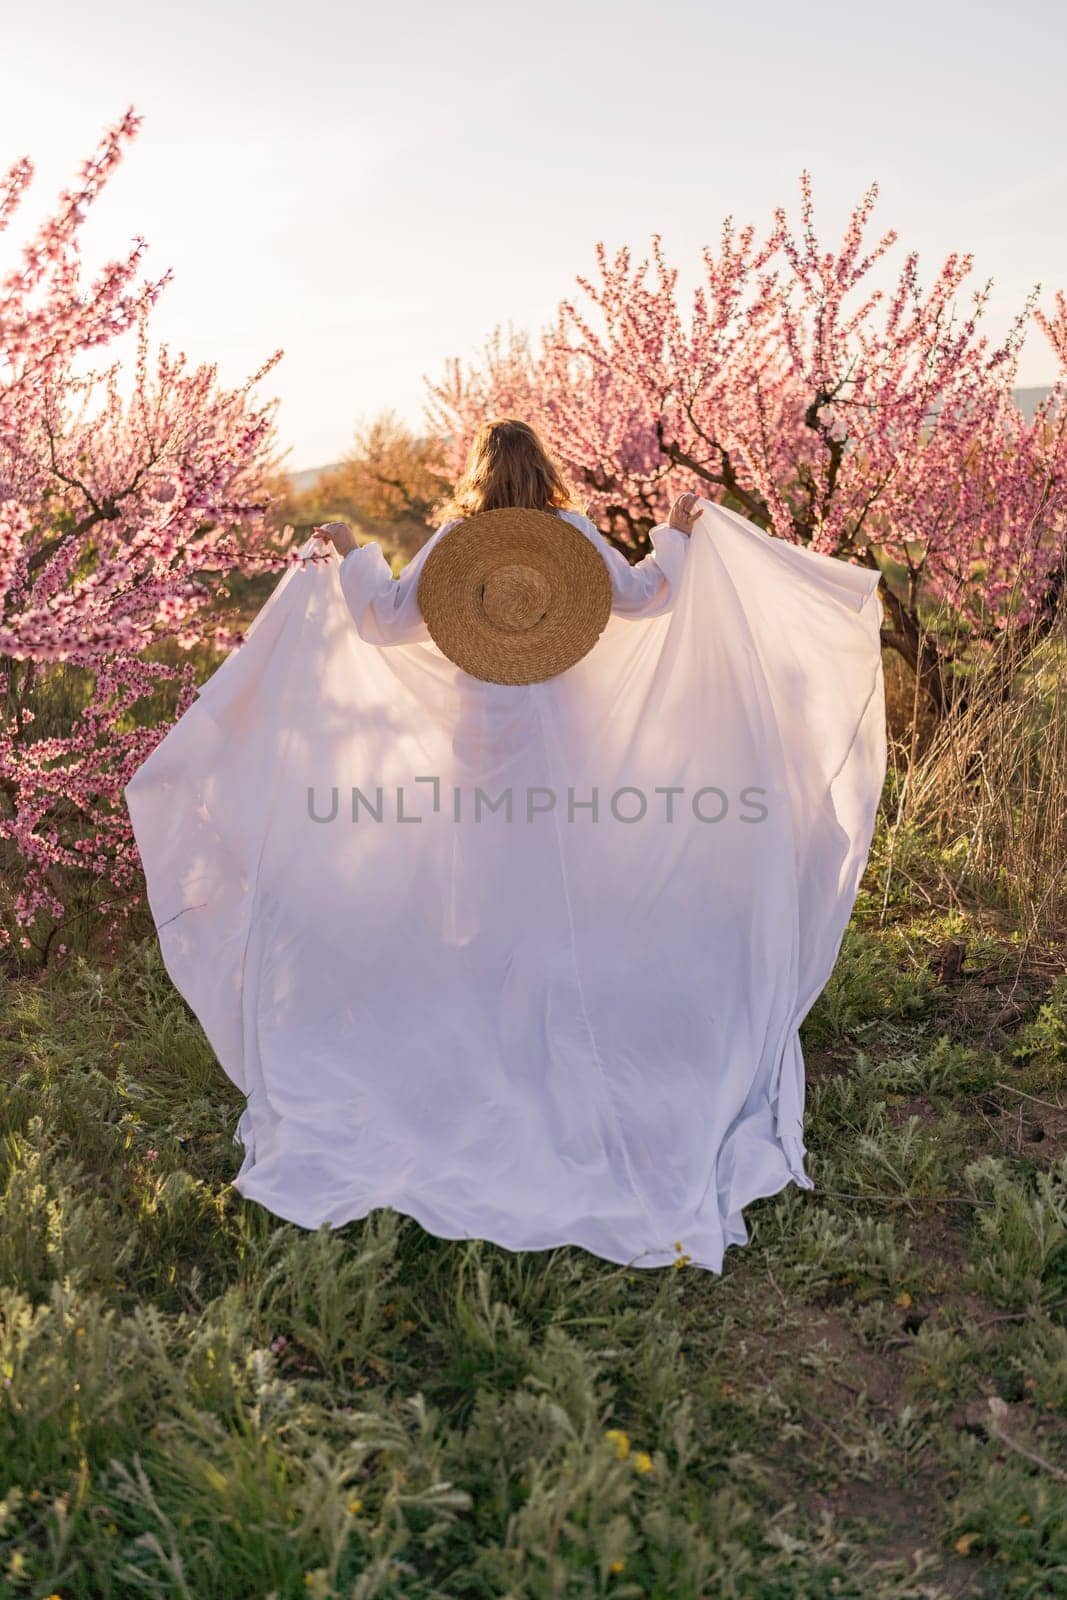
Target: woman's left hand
(684, 512)
(339, 534)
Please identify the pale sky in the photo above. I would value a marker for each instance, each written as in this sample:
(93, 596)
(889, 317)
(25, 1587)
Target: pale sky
(373, 187)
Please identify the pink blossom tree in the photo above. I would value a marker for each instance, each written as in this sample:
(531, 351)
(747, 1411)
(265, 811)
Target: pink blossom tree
(116, 517)
(873, 425)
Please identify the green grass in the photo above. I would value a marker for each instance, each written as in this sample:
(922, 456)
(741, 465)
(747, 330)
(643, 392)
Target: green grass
(198, 1401)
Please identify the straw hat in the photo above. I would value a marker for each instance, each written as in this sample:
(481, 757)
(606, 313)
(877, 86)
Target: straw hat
(514, 595)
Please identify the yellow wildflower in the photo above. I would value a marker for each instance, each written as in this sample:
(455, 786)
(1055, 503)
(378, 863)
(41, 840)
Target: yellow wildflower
(355, 1507)
(620, 1441)
(643, 1461)
(618, 1566)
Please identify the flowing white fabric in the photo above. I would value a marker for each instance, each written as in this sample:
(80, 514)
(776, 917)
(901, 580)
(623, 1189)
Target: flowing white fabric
(570, 1026)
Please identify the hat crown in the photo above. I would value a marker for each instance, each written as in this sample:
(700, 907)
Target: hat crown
(516, 597)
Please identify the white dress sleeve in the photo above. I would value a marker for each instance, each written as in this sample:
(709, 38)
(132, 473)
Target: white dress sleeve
(385, 609)
(648, 587)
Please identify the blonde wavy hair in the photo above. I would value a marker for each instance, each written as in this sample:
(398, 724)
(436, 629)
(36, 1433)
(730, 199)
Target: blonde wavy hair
(508, 465)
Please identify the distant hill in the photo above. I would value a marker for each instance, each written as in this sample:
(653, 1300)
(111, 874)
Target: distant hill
(309, 477)
(1027, 400)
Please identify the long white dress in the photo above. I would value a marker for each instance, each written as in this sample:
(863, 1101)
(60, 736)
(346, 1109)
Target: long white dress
(576, 1023)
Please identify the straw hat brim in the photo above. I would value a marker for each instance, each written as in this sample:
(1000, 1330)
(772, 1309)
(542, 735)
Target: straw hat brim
(514, 595)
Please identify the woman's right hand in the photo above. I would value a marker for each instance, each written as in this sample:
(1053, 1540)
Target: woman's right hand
(684, 513)
(339, 534)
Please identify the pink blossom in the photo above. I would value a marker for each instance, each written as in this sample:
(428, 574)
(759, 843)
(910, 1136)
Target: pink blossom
(873, 425)
(110, 508)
